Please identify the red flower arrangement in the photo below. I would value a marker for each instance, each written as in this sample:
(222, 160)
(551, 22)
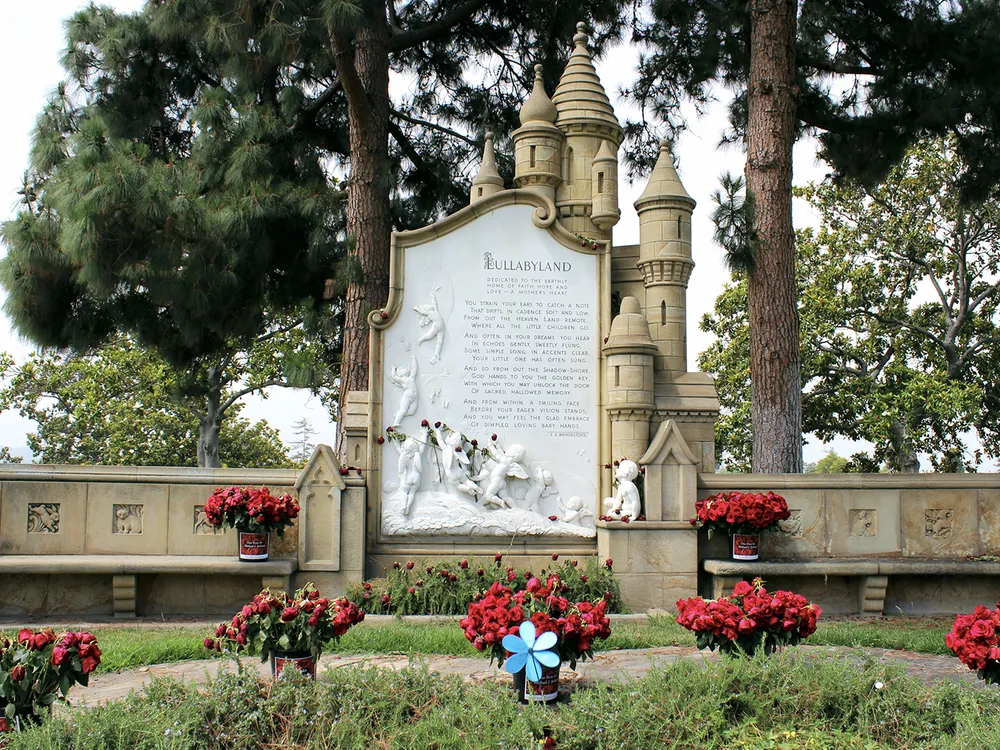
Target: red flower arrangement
(749, 620)
(39, 668)
(302, 621)
(500, 612)
(251, 509)
(741, 512)
(975, 639)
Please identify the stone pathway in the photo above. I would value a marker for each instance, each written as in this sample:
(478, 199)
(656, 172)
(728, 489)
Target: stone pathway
(606, 666)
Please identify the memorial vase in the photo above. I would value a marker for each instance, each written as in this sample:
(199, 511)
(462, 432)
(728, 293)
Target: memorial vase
(745, 546)
(546, 690)
(254, 546)
(306, 662)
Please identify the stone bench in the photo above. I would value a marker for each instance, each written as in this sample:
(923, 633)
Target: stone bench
(125, 570)
(874, 573)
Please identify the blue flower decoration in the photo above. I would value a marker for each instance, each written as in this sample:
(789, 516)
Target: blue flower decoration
(530, 653)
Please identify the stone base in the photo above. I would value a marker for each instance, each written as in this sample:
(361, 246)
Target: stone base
(655, 562)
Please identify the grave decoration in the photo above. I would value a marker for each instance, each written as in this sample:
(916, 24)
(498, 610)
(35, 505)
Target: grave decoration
(500, 613)
(626, 504)
(975, 640)
(255, 513)
(38, 668)
(749, 620)
(288, 629)
(741, 515)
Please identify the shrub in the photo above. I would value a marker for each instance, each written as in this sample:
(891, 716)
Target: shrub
(448, 588)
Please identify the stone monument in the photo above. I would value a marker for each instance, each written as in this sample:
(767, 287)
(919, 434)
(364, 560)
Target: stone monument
(501, 387)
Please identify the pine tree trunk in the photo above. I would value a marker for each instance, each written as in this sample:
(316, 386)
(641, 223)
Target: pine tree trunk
(210, 423)
(774, 323)
(364, 71)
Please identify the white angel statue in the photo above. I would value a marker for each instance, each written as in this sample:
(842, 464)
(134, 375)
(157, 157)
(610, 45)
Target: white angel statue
(455, 462)
(407, 381)
(507, 465)
(431, 316)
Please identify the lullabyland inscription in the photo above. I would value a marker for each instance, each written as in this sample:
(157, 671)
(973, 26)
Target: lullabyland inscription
(499, 335)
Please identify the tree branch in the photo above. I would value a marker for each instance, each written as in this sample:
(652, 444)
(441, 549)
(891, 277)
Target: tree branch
(237, 395)
(404, 143)
(278, 331)
(827, 66)
(414, 37)
(316, 105)
(433, 126)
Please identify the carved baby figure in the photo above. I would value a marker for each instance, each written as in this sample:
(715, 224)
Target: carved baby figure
(455, 462)
(406, 379)
(626, 501)
(574, 512)
(409, 469)
(541, 487)
(431, 316)
(507, 465)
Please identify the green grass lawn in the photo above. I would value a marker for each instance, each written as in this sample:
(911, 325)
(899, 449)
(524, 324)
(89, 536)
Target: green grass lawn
(786, 702)
(135, 646)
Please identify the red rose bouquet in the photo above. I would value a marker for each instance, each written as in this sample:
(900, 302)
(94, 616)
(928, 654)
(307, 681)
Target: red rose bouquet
(500, 612)
(975, 639)
(251, 509)
(302, 621)
(741, 512)
(749, 620)
(39, 668)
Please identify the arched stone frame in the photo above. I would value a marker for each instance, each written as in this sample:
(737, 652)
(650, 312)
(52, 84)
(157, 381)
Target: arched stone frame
(544, 217)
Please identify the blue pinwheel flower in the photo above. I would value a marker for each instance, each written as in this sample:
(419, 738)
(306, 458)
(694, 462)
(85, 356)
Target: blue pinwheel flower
(530, 653)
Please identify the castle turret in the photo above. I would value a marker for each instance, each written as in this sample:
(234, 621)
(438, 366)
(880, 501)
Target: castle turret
(587, 118)
(538, 143)
(488, 181)
(664, 210)
(604, 188)
(629, 352)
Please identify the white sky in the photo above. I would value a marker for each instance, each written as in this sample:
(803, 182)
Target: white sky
(31, 43)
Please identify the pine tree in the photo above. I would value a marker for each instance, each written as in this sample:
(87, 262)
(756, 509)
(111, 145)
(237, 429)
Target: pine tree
(188, 176)
(909, 68)
(302, 446)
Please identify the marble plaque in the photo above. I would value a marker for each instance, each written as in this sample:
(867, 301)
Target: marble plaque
(498, 335)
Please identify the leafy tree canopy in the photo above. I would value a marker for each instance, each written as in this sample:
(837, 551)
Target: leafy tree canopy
(873, 76)
(899, 293)
(124, 405)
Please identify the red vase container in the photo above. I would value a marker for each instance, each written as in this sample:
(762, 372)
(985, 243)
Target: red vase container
(546, 690)
(746, 546)
(254, 546)
(304, 661)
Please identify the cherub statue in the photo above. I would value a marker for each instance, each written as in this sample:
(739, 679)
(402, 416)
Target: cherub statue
(407, 380)
(574, 512)
(409, 469)
(455, 462)
(431, 316)
(541, 486)
(626, 501)
(507, 465)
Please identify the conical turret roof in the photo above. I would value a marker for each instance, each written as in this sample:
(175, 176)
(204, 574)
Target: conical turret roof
(538, 107)
(580, 95)
(663, 180)
(488, 174)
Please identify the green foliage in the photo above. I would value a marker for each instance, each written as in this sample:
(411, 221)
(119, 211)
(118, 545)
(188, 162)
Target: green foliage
(435, 593)
(900, 313)
(783, 702)
(124, 405)
(873, 77)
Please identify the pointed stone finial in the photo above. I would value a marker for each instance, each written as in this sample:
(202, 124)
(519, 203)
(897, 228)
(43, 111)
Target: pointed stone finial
(580, 98)
(663, 180)
(538, 107)
(488, 181)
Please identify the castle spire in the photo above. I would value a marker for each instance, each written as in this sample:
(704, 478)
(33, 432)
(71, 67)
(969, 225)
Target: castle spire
(663, 181)
(580, 98)
(488, 181)
(538, 107)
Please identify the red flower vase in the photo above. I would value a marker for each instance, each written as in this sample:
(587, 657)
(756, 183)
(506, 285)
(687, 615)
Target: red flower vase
(254, 546)
(746, 546)
(304, 661)
(546, 690)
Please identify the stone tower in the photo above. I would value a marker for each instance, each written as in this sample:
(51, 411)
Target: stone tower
(664, 210)
(629, 352)
(488, 181)
(538, 143)
(587, 196)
